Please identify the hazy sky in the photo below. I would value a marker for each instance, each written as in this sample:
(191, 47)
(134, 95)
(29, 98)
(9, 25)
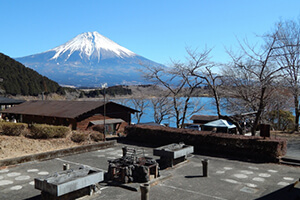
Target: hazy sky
(159, 30)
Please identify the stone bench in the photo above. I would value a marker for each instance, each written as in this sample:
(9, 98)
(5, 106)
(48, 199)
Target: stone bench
(173, 153)
(71, 182)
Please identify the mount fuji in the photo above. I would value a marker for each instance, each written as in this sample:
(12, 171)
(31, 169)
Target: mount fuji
(89, 60)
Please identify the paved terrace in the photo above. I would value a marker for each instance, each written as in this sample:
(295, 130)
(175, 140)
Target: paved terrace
(228, 179)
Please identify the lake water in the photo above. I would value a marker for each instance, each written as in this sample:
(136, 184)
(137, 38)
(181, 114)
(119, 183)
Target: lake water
(208, 104)
(208, 109)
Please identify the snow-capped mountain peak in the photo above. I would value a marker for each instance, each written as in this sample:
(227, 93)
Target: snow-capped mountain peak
(89, 60)
(91, 44)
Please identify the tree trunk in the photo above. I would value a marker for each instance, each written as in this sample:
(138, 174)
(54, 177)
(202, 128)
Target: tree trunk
(176, 112)
(296, 98)
(217, 100)
(258, 114)
(184, 111)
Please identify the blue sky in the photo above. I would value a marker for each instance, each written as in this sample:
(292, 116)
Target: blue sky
(159, 30)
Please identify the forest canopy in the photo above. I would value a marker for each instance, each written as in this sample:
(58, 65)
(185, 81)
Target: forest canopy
(15, 79)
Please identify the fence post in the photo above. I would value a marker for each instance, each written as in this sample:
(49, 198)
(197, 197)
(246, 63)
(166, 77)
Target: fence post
(145, 188)
(205, 167)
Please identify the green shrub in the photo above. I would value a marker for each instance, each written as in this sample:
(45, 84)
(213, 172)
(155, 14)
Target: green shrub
(78, 137)
(13, 129)
(97, 136)
(281, 120)
(43, 131)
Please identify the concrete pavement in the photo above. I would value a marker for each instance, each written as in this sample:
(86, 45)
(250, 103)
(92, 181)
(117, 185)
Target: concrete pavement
(228, 179)
(293, 147)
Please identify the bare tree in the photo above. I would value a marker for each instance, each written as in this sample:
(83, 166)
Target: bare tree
(252, 77)
(281, 100)
(288, 50)
(162, 107)
(139, 104)
(180, 84)
(201, 68)
(214, 82)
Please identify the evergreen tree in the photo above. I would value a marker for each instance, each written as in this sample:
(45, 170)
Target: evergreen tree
(18, 79)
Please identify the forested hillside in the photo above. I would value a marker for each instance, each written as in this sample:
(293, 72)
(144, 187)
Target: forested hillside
(15, 79)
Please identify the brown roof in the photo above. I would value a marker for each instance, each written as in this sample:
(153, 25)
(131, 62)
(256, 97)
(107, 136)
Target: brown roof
(204, 117)
(63, 109)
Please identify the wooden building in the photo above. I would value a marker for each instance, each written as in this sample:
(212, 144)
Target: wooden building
(75, 114)
(6, 102)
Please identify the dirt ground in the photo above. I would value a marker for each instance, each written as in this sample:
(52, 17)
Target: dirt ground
(16, 146)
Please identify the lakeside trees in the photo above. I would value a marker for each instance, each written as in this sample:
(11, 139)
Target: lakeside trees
(252, 80)
(139, 104)
(214, 82)
(254, 75)
(180, 84)
(288, 57)
(162, 108)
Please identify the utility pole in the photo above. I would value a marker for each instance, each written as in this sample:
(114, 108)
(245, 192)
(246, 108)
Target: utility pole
(104, 86)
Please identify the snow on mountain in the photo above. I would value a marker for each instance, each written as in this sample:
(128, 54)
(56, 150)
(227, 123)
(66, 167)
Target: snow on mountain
(91, 43)
(89, 59)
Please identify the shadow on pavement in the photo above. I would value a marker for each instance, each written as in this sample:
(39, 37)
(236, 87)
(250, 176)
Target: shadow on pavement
(288, 192)
(197, 176)
(37, 197)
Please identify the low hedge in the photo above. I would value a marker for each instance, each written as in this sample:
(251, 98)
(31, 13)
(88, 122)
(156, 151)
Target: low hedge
(13, 129)
(250, 147)
(43, 131)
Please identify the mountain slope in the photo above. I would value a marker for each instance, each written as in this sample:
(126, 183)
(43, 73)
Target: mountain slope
(89, 59)
(18, 79)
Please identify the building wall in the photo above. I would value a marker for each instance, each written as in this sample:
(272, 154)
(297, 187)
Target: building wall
(31, 119)
(112, 111)
(116, 111)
